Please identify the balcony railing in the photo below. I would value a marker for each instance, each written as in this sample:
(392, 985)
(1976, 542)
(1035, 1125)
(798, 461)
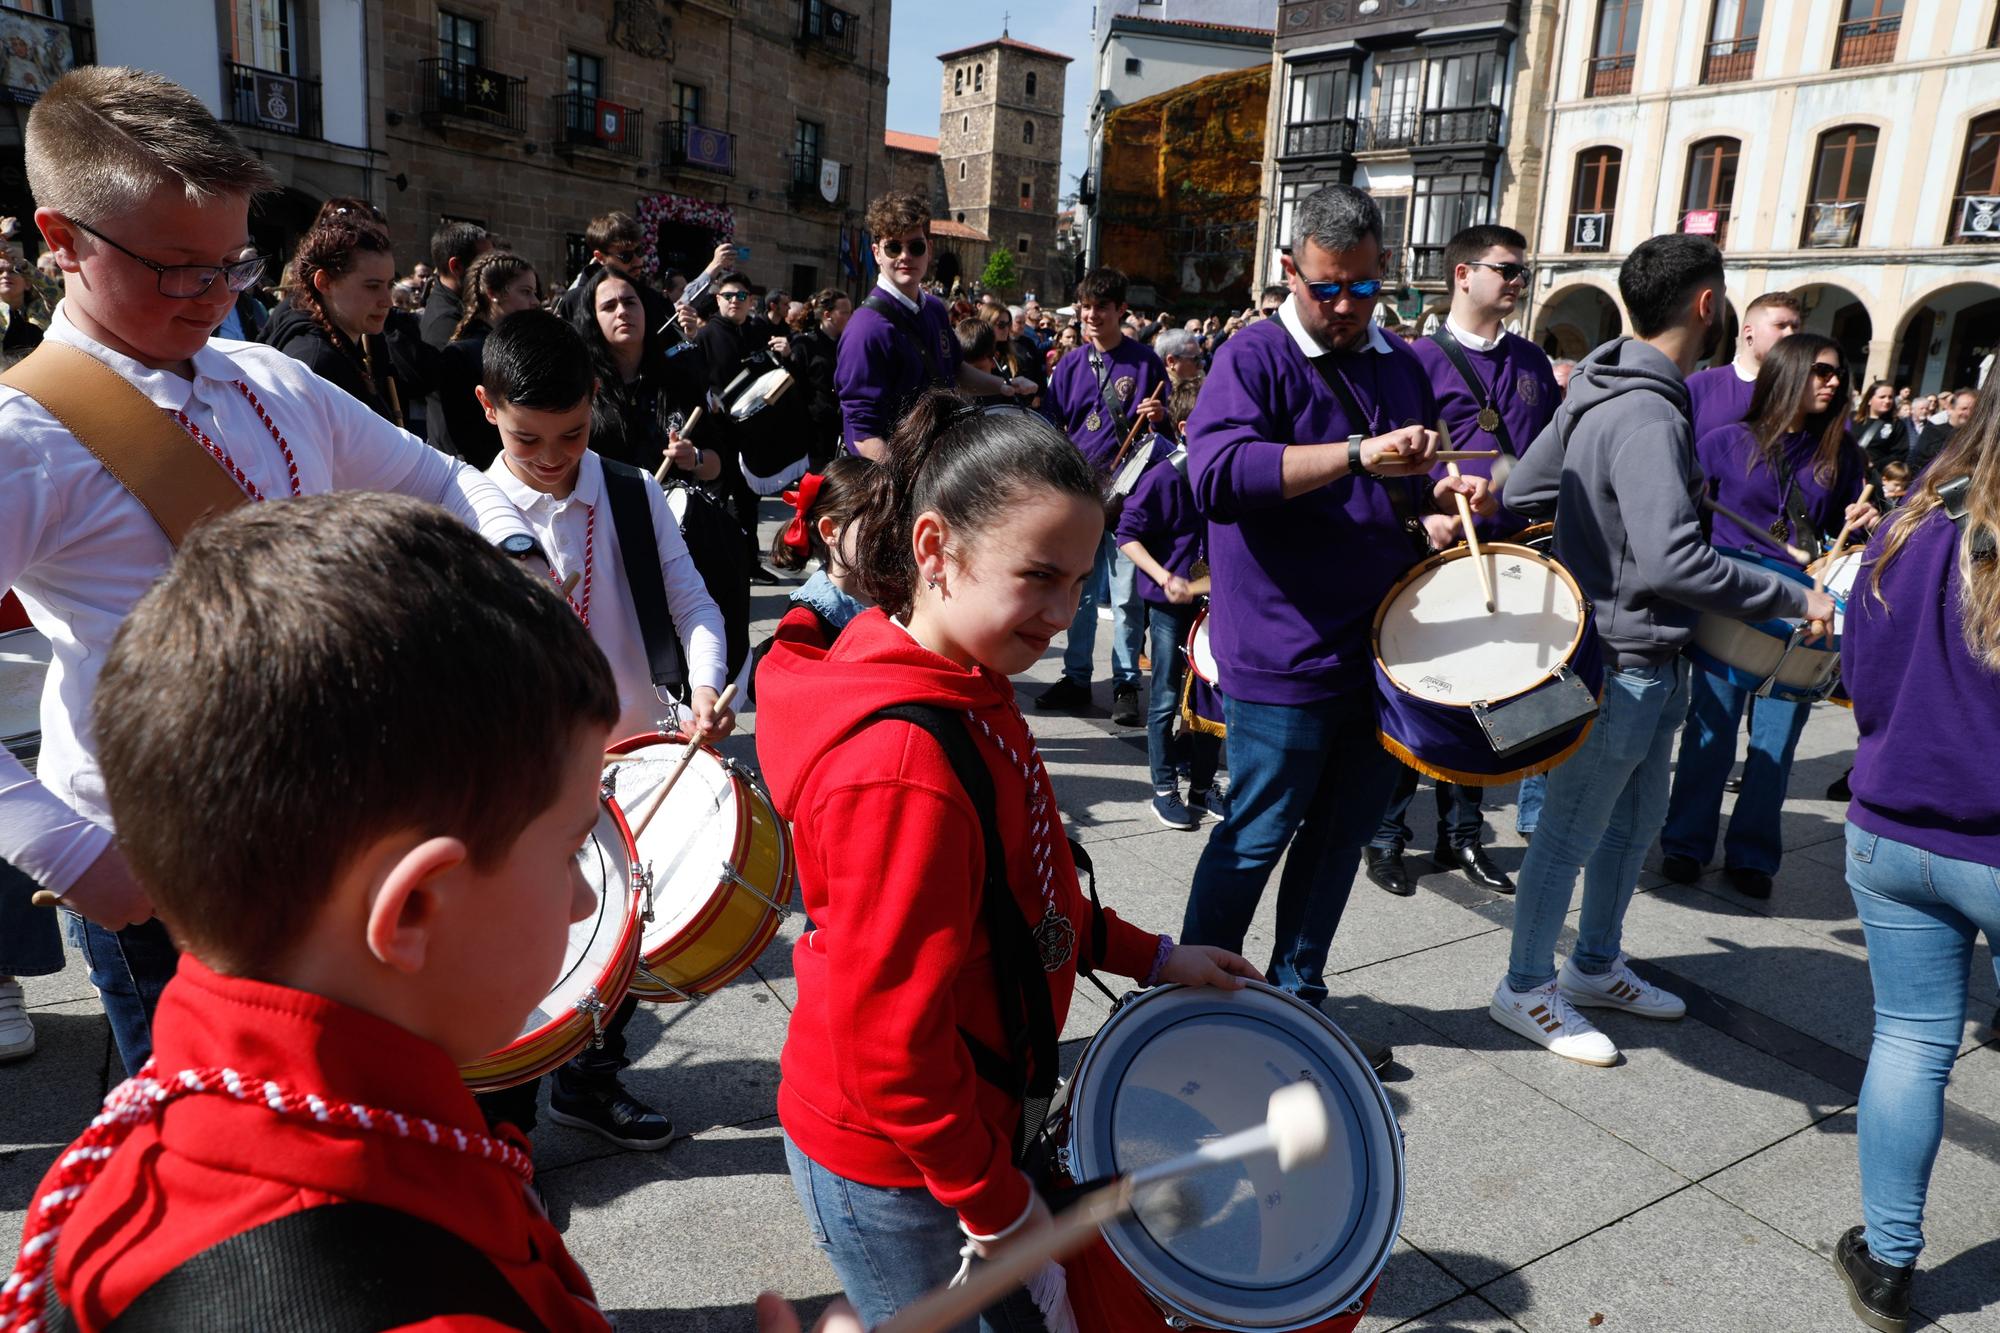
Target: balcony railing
(1867, 42)
(805, 181)
(266, 100)
(1731, 61)
(1460, 125)
(458, 92)
(697, 147)
(1388, 132)
(1426, 263)
(1610, 76)
(1319, 138)
(583, 121)
(44, 50)
(828, 28)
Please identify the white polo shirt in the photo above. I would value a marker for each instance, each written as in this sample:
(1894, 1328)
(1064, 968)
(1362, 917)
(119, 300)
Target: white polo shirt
(80, 551)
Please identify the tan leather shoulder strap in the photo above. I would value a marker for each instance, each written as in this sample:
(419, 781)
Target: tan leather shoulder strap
(144, 448)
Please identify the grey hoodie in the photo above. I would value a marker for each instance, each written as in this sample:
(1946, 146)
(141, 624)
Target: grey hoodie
(1619, 456)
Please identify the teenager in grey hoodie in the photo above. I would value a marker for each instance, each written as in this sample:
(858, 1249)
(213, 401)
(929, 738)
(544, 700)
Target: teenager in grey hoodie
(1616, 468)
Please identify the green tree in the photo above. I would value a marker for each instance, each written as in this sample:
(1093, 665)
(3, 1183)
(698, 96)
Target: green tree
(1000, 277)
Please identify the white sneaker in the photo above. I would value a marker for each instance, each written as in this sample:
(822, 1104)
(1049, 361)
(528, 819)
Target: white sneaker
(1620, 988)
(1545, 1017)
(17, 1034)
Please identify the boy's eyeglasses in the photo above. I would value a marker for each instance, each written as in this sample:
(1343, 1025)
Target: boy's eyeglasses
(918, 248)
(1509, 273)
(184, 282)
(1330, 291)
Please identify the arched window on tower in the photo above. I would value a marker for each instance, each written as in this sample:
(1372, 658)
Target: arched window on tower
(978, 77)
(957, 82)
(1029, 89)
(961, 171)
(1027, 131)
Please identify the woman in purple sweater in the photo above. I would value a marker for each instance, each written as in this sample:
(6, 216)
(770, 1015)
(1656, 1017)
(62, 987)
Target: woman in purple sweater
(1921, 656)
(1789, 468)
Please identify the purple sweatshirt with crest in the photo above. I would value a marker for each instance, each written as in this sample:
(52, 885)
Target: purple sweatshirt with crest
(1927, 710)
(1737, 477)
(1517, 379)
(1296, 582)
(1160, 516)
(1131, 368)
(879, 369)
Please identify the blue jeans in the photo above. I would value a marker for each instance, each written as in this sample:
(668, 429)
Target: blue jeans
(1920, 914)
(1169, 626)
(1528, 803)
(1112, 582)
(1458, 817)
(30, 938)
(1315, 777)
(890, 1246)
(1603, 809)
(1708, 752)
(129, 968)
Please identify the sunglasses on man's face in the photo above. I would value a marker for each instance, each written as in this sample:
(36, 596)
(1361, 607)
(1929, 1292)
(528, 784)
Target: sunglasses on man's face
(1268, 311)
(1360, 290)
(917, 248)
(1509, 273)
(732, 296)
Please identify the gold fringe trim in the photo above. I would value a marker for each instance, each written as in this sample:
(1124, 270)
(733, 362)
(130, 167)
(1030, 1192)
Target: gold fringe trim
(1190, 719)
(1401, 752)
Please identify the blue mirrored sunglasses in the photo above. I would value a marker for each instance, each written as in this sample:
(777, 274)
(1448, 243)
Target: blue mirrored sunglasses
(1330, 291)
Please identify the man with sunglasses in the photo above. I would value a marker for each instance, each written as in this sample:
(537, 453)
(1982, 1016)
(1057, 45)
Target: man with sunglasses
(1310, 453)
(900, 340)
(1494, 390)
(145, 203)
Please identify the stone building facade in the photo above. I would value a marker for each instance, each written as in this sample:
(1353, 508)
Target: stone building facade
(1000, 142)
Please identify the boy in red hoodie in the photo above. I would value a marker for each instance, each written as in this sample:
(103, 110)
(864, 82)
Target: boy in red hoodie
(908, 1061)
(352, 752)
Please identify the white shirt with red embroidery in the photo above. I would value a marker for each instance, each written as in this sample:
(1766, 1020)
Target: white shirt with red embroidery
(80, 551)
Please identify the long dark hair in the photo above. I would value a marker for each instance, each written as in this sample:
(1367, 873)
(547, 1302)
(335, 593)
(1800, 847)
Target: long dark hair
(1782, 385)
(624, 418)
(585, 318)
(967, 465)
(332, 247)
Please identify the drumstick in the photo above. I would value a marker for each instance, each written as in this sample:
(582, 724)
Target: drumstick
(1133, 434)
(1819, 579)
(569, 584)
(666, 464)
(1472, 539)
(43, 898)
(1798, 556)
(1459, 455)
(653, 802)
(1295, 1128)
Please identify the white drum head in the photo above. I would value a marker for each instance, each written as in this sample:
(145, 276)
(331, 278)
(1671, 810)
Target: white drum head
(1437, 640)
(1841, 571)
(691, 844)
(24, 664)
(1201, 654)
(593, 941)
(760, 391)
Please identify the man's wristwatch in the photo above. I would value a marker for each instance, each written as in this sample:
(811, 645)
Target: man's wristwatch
(1355, 467)
(520, 546)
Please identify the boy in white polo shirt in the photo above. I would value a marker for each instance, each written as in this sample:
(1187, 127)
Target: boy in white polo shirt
(144, 201)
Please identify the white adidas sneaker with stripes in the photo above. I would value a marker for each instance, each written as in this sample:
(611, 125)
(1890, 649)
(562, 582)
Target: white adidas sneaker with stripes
(1545, 1016)
(1619, 988)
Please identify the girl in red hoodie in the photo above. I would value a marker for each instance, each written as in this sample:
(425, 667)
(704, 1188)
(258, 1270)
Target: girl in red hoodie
(899, 1131)
(822, 528)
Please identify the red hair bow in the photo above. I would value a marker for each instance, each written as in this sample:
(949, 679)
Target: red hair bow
(801, 501)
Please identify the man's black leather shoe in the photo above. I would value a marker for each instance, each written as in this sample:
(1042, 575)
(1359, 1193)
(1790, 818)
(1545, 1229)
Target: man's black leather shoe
(1879, 1294)
(1749, 883)
(1475, 865)
(1385, 871)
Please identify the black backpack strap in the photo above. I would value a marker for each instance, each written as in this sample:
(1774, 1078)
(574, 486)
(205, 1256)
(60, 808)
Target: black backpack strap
(899, 318)
(339, 1268)
(1100, 931)
(639, 545)
(1482, 393)
(1402, 493)
(1028, 1070)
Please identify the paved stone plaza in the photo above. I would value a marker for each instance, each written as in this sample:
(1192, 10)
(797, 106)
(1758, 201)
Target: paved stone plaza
(1697, 1186)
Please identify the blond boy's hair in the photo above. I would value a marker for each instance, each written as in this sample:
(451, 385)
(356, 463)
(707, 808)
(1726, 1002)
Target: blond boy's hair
(103, 138)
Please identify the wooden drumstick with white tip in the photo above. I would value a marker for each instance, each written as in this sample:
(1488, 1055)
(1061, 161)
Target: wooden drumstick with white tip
(652, 806)
(1840, 542)
(667, 464)
(1472, 540)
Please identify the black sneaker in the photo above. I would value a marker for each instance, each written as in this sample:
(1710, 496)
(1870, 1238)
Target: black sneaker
(1125, 705)
(1169, 810)
(1879, 1294)
(1379, 1055)
(1680, 869)
(1065, 696)
(1749, 883)
(613, 1114)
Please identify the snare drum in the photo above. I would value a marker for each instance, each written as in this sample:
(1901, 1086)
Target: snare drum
(24, 666)
(1201, 704)
(596, 970)
(1769, 656)
(1537, 537)
(720, 874)
(1482, 697)
(1842, 570)
(1177, 1066)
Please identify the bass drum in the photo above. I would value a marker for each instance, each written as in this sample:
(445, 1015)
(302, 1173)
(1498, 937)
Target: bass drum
(1176, 1067)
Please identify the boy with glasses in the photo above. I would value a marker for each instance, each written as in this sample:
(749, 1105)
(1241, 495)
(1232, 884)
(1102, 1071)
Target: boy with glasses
(900, 340)
(145, 203)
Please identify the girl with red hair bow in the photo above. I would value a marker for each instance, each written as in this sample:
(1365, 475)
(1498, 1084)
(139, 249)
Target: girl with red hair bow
(823, 506)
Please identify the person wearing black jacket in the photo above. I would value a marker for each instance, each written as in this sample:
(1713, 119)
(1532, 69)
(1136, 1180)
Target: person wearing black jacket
(729, 338)
(337, 318)
(642, 381)
(497, 284)
(453, 248)
(811, 360)
(1878, 432)
(1935, 435)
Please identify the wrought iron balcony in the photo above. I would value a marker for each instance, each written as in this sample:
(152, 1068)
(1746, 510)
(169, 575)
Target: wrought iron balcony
(1610, 76)
(1319, 138)
(1867, 42)
(1460, 125)
(264, 99)
(592, 123)
(1729, 61)
(1387, 132)
(457, 93)
(697, 147)
(806, 170)
(828, 28)
(43, 50)
(1426, 264)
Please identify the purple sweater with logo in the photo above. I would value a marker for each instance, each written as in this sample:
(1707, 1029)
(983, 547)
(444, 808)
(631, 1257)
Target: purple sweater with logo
(1718, 397)
(1518, 381)
(1132, 368)
(1734, 471)
(878, 371)
(1296, 582)
(1160, 516)
(1928, 712)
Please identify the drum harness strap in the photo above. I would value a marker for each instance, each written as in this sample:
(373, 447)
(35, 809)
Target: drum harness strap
(639, 549)
(1027, 1071)
(1481, 393)
(899, 318)
(1402, 497)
